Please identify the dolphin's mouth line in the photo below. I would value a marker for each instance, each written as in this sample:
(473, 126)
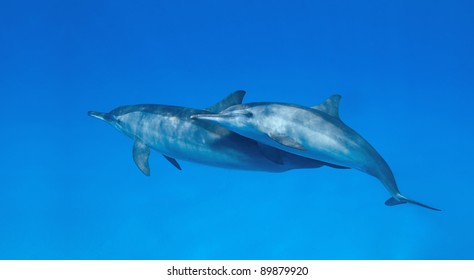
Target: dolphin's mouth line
(101, 116)
(208, 116)
(221, 116)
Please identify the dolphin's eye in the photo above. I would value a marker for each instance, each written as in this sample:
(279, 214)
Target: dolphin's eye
(248, 114)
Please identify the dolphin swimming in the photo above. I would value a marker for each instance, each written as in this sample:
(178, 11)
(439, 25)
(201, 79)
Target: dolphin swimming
(317, 133)
(170, 131)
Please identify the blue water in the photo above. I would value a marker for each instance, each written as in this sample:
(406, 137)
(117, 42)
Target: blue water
(69, 188)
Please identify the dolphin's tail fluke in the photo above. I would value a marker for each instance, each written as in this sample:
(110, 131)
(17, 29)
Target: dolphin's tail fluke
(402, 199)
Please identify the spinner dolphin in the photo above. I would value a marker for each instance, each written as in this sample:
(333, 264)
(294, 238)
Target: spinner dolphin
(317, 133)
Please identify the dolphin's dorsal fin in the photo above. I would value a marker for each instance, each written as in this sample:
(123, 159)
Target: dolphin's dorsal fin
(330, 106)
(230, 100)
(141, 153)
(172, 161)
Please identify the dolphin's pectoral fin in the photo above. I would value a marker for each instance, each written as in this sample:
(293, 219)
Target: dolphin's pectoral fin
(271, 153)
(287, 141)
(173, 162)
(141, 153)
(402, 199)
(330, 106)
(230, 100)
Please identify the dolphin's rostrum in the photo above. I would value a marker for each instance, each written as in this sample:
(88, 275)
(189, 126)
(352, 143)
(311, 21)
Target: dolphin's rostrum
(317, 133)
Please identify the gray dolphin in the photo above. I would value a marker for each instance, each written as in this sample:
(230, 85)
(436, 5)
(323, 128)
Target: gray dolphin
(170, 131)
(316, 133)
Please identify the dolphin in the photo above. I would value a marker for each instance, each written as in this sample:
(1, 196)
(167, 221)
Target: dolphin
(317, 133)
(170, 131)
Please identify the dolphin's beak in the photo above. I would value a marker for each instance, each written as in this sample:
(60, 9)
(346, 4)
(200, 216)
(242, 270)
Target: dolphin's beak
(101, 116)
(209, 117)
(220, 116)
(219, 119)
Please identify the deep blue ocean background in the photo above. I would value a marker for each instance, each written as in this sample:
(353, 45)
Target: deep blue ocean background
(69, 188)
